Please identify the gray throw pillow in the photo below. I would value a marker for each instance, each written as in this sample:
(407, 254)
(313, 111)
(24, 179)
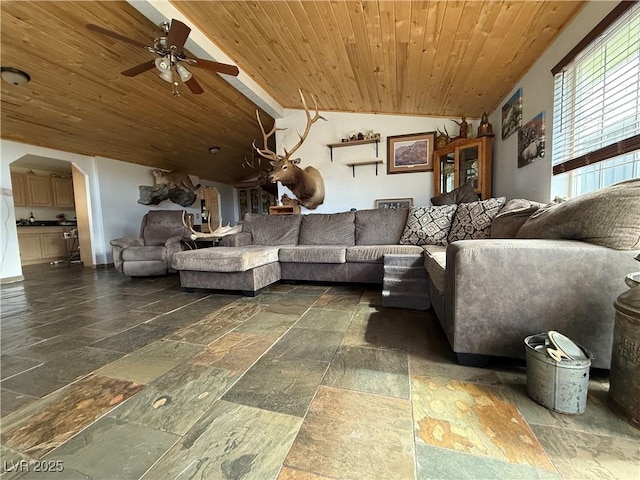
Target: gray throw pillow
(381, 226)
(609, 217)
(428, 225)
(472, 221)
(462, 194)
(512, 216)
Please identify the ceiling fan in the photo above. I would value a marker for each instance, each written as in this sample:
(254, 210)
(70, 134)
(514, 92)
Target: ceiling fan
(171, 56)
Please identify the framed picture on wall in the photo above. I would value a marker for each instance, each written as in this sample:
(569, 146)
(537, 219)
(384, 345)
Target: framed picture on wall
(394, 203)
(410, 153)
(512, 114)
(531, 141)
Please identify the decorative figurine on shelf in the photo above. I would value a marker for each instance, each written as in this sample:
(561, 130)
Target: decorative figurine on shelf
(464, 128)
(442, 138)
(485, 129)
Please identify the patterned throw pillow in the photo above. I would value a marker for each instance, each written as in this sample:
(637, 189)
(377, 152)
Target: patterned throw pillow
(428, 225)
(472, 221)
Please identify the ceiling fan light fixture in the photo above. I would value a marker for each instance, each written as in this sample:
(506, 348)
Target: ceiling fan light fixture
(15, 76)
(184, 74)
(163, 64)
(167, 76)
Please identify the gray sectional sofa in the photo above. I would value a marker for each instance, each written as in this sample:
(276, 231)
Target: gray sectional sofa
(493, 271)
(338, 247)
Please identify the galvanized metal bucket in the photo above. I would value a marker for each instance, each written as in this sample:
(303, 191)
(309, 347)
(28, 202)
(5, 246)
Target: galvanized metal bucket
(559, 386)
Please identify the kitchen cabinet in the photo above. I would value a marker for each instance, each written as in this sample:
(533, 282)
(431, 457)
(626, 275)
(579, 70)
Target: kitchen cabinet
(34, 190)
(464, 161)
(62, 192)
(39, 191)
(42, 244)
(19, 187)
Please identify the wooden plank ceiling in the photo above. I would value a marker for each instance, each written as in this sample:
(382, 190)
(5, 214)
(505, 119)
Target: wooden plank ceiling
(432, 58)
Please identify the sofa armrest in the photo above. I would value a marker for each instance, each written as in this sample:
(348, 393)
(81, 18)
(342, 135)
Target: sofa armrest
(500, 291)
(236, 240)
(127, 242)
(172, 241)
(174, 245)
(118, 245)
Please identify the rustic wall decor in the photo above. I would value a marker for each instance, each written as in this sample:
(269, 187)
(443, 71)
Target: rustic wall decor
(410, 153)
(512, 114)
(394, 203)
(531, 141)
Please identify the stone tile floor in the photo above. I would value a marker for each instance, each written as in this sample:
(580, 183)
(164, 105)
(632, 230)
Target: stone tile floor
(109, 377)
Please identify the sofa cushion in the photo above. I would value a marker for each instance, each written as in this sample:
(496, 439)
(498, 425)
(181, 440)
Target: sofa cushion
(428, 225)
(382, 226)
(224, 259)
(162, 224)
(272, 229)
(462, 194)
(376, 253)
(313, 254)
(144, 254)
(328, 229)
(512, 216)
(435, 261)
(472, 221)
(609, 217)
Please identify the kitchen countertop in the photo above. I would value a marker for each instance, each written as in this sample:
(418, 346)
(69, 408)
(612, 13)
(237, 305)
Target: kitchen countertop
(48, 223)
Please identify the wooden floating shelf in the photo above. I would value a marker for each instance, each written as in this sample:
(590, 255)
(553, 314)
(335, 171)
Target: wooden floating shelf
(353, 165)
(353, 143)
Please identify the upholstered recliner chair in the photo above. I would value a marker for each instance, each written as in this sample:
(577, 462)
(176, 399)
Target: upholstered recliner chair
(162, 233)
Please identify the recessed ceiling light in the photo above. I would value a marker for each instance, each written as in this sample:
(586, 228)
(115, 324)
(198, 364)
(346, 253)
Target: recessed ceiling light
(14, 76)
(214, 149)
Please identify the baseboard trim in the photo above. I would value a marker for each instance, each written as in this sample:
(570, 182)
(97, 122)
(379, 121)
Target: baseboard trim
(7, 280)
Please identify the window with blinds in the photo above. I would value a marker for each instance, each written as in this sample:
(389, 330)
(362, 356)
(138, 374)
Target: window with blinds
(596, 120)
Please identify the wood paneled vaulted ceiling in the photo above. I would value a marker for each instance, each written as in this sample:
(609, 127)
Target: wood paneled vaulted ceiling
(432, 58)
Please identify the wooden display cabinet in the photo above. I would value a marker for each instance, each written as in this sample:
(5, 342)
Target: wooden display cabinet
(464, 161)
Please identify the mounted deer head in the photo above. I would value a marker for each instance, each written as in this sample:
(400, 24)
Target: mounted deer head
(307, 184)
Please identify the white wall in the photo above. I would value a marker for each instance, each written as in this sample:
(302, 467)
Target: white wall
(533, 181)
(342, 191)
(113, 205)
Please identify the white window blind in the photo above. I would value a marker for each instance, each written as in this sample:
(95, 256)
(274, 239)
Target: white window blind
(597, 100)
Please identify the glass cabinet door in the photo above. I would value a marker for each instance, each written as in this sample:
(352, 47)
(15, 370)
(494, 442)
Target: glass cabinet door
(468, 158)
(447, 172)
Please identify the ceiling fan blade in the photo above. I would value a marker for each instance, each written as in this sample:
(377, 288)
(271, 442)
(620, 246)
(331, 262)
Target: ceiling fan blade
(178, 33)
(194, 86)
(138, 69)
(216, 66)
(117, 36)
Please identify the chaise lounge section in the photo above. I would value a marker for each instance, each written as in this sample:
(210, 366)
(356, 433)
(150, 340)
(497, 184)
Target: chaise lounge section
(339, 247)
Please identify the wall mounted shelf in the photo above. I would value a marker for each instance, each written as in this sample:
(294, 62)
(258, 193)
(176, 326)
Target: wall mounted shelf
(353, 165)
(353, 143)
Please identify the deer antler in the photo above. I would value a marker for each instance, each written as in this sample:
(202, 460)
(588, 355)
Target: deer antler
(256, 164)
(195, 234)
(273, 156)
(310, 121)
(266, 152)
